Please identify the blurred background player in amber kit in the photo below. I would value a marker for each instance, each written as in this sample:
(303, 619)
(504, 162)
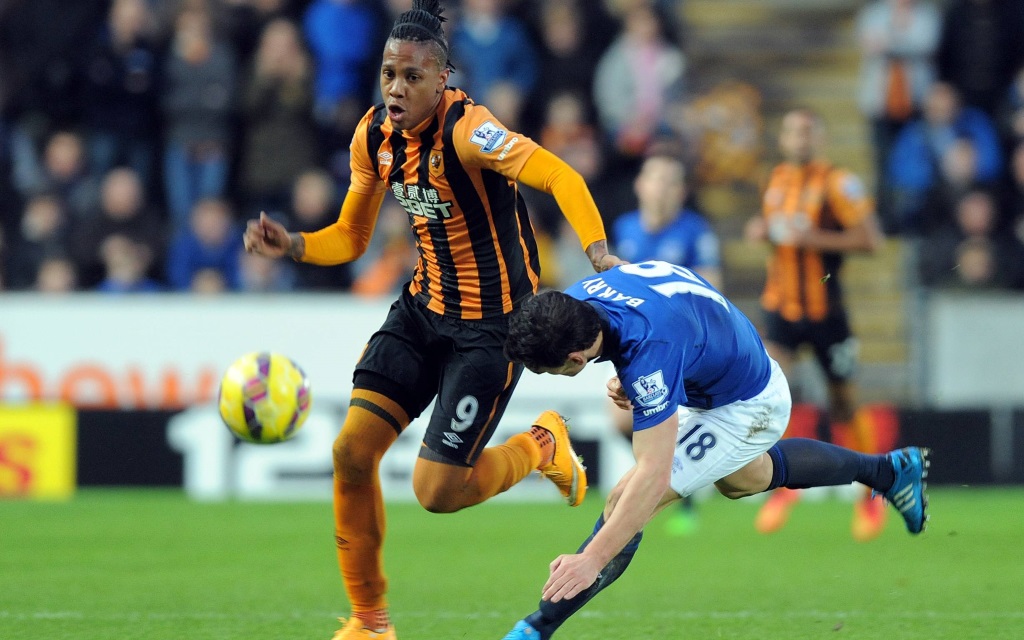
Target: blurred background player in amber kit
(813, 213)
(664, 227)
(453, 166)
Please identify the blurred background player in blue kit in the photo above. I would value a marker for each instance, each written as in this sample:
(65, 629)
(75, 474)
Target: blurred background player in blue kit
(677, 342)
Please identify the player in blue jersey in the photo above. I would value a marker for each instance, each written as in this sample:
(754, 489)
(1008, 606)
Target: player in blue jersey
(664, 227)
(677, 342)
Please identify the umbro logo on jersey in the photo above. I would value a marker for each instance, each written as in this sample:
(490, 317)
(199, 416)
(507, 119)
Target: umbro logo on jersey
(384, 158)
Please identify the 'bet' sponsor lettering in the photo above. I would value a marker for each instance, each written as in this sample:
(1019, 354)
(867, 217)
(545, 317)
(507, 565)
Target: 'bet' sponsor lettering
(422, 201)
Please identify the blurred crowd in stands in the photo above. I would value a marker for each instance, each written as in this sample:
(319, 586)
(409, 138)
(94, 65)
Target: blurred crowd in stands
(943, 87)
(137, 136)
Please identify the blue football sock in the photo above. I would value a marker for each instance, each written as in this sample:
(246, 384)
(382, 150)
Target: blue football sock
(550, 615)
(800, 463)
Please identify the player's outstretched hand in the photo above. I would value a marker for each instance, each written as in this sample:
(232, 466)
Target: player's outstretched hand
(570, 574)
(618, 394)
(266, 237)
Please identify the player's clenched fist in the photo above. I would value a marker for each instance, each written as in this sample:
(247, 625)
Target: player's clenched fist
(266, 237)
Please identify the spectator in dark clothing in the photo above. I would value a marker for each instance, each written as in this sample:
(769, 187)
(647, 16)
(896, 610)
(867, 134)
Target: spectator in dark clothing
(126, 264)
(280, 139)
(197, 99)
(971, 252)
(124, 211)
(568, 57)
(44, 231)
(245, 20)
(957, 174)
(40, 44)
(65, 173)
(119, 92)
(980, 49)
(211, 241)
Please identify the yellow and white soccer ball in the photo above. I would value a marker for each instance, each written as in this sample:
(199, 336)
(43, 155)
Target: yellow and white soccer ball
(264, 398)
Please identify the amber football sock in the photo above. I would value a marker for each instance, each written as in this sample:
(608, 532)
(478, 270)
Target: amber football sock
(378, 620)
(359, 523)
(501, 467)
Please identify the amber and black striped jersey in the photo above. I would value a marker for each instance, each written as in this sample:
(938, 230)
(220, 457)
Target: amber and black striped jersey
(815, 196)
(455, 175)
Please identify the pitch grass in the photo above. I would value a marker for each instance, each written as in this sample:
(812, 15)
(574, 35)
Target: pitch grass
(152, 565)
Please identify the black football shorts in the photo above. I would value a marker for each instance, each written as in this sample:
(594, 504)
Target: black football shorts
(420, 355)
(833, 343)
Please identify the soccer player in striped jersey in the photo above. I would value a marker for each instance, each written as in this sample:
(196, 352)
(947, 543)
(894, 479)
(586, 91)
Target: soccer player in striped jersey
(454, 168)
(813, 214)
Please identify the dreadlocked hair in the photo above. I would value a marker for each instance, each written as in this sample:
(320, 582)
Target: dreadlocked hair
(423, 23)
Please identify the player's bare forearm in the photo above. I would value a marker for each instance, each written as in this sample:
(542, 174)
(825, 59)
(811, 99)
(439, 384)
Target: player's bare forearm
(634, 508)
(643, 491)
(600, 258)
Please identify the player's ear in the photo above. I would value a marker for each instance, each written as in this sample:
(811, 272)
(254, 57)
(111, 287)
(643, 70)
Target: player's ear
(444, 79)
(577, 358)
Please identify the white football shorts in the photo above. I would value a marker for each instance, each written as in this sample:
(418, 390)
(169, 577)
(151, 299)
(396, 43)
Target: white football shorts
(713, 443)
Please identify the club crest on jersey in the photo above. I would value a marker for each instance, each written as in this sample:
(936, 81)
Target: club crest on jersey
(436, 162)
(651, 389)
(488, 137)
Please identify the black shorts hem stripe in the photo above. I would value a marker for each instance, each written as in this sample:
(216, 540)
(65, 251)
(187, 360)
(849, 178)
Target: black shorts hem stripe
(434, 456)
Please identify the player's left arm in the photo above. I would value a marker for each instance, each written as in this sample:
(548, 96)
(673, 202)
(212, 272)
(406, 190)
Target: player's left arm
(860, 232)
(546, 172)
(643, 491)
(519, 158)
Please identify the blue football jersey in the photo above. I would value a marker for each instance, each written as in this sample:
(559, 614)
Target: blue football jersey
(674, 340)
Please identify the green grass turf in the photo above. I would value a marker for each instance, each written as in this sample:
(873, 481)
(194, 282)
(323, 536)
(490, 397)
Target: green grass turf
(152, 565)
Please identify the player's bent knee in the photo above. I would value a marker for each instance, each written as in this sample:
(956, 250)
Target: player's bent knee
(747, 481)
(439, 487)
(437, 498)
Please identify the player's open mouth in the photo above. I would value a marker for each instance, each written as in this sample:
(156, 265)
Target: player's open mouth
(395, 111)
